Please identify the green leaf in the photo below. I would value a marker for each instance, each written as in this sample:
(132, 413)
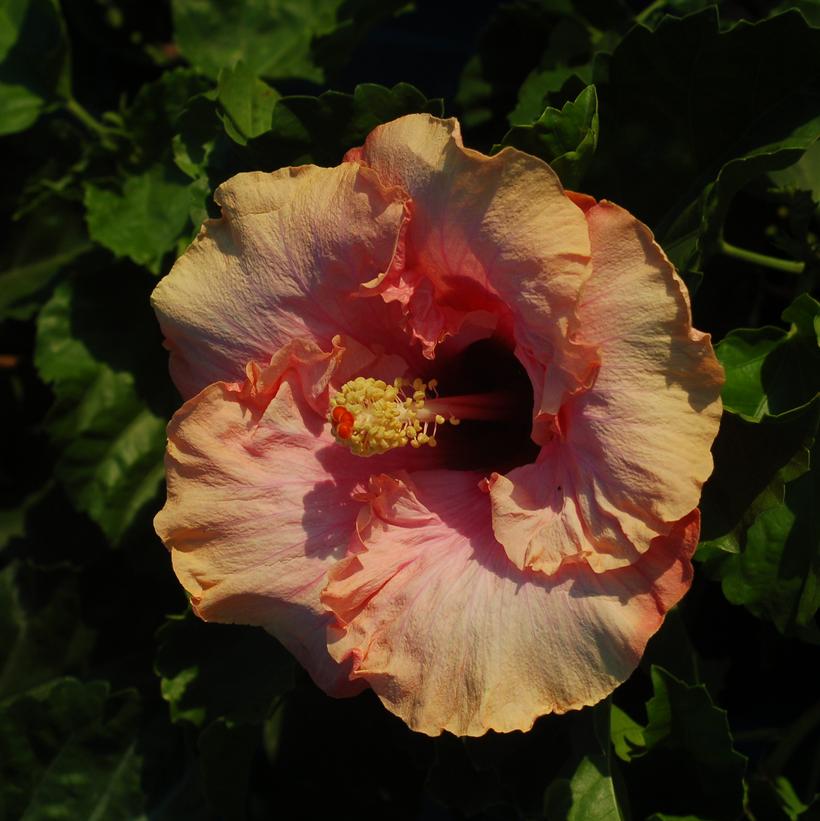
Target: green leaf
(539, 86)
(804, 175)
(687, 735)
(41, 631)
(111, 396)
(589, 794)
(753, 461)
(566, 139)
(34, 63)
(626, 734)
(199, 130)
(276, 39)
(272, 39)
(226, 755)
(548, 37)
(682, 126)
(774, 799)
(303, 129)
(45, 243)
(760, 530)
(770, 371)
(210, 671)
(777, 574)
(144, 218)
(152, 119)
(67, 751)
(320, 129)
(245, 102)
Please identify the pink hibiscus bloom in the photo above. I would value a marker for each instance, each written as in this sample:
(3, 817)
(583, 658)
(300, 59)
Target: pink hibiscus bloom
(445, 432)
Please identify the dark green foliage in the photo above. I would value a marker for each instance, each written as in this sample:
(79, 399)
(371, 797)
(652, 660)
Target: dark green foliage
(34, 62)
(687, 734)
(566, 139)
(118, 121)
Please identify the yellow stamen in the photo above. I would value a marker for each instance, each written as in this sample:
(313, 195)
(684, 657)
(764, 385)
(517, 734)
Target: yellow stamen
(370, 416)
(375, 417)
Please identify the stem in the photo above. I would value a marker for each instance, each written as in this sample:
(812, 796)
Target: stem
(90, 122)
(792, 739)
(775, 263)
(649, 10)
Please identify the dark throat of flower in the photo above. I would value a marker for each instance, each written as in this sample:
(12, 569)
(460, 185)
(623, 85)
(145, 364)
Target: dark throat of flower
(485, 428)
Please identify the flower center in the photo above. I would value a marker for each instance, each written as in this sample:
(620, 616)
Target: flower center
(370, 417)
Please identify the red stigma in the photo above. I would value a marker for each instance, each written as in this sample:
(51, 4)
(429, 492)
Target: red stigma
(342, 420)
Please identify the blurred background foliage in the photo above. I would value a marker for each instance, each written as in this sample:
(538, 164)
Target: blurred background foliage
(118, 119)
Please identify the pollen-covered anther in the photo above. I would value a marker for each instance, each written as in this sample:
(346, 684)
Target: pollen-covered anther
(370, 416)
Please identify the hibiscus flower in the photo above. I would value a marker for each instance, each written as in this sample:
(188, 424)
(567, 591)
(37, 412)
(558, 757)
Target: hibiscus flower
(445, 432)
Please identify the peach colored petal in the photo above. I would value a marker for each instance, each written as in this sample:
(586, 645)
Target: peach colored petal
(252, 521)
(635, 447)
(284, 261)
(319, 370)
(485, 233)
(452, 637)
(261, 499)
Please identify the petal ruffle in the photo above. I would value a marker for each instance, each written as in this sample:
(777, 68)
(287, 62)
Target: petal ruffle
(285, 260)
(252, 520)
(635, 447)
(486, 233)
(261, 500)
(452, 637)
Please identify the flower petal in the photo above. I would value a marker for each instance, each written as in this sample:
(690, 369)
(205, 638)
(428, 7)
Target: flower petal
(635, 447)
(452, 637)
(261, 498)
(485, 234)
(284, 261)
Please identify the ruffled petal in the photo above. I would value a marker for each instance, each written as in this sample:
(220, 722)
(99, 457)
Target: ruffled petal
(634, 448)
(648, 425)
(452, 637)
(486, 233)
(285, 260)
(261, 499)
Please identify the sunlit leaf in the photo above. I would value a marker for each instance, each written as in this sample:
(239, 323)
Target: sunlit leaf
(144, 218)
(246, 103)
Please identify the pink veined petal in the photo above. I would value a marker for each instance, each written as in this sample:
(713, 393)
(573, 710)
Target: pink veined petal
(452, 637)
(261, 498)
(486, 233)
(285, 261)
(243, 543)
(635, 447)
